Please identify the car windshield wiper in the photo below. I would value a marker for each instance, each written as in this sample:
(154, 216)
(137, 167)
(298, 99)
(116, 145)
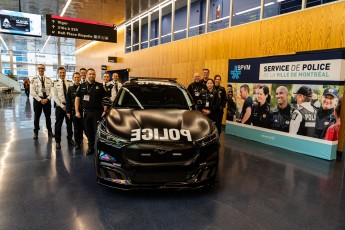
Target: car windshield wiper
(135, 98)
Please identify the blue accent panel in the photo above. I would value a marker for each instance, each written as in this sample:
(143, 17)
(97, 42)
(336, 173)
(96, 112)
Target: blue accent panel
(310, 146)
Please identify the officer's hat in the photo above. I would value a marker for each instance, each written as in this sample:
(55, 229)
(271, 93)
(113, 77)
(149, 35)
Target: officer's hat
(305, 91)
(330, 91)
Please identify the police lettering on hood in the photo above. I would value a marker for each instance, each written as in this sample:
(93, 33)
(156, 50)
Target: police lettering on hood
(148, 134)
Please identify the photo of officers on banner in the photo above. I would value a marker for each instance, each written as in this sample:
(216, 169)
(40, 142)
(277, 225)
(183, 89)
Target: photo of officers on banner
(307, 110)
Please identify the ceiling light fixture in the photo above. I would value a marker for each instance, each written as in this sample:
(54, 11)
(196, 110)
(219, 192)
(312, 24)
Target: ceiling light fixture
(62, 14)
(3, 42)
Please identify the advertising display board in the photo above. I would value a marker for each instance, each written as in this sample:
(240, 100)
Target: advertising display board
(12, 22)
(290, 101)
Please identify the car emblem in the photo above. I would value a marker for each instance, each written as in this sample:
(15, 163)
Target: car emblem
(162, 151)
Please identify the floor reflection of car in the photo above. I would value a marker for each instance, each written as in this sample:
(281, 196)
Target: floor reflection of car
(153, 137)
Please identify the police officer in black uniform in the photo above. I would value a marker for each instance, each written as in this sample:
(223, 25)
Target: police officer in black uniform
(222, 96)
(304, 117)
(325, 116)
(261, 109)
(281, 116)
(206, 74)
(70, 102)
(195, 88)
(40, 90)
(90, 95)
(231, 109)
(59, 94)
(210, 102)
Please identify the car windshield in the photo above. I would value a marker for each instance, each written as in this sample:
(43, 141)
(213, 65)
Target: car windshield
(148, 96)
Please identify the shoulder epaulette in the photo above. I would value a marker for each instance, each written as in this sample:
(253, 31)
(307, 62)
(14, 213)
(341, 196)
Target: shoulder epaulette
(69, 80)
(56, 80)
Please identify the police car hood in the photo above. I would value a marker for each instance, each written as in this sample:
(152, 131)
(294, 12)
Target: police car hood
(158, 124)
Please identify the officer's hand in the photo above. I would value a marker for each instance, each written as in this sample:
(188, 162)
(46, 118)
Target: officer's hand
(77, 114)
(68, 115)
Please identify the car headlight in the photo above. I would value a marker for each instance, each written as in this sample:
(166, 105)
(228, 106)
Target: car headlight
(110, 139)
(208, 139)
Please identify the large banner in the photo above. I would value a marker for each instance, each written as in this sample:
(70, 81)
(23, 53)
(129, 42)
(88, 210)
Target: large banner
(290, 101)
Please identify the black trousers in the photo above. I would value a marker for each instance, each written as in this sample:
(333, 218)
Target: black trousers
(91, 119)
(220, 120)
(60, 115)
(27, 91)
(78, 128)
(46, 108)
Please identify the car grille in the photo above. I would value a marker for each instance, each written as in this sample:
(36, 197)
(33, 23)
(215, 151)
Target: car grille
(146, 177)
(156, 153)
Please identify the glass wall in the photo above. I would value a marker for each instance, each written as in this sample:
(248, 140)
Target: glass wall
(218, 15)
(311, 3)
(197, 17)
(25, 55)
(128, 38)
(180, 23)
(154, 28)
(246, 11)
(136, 35)
(166, 24)
(144, 33)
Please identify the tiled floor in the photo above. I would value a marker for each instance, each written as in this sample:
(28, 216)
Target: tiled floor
(259, 187)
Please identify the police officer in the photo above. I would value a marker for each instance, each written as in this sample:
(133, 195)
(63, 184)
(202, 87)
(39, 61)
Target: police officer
(261, 110)
(117, 86)
(195, 88)
(70, 102)
(281, 116)
(325, 116)
(231, 110)
(107, 84)
(303, 118)
(210, 102)
(40, 90)
(222, 96)
(59, 94)
(246, 112)
(82, 72)
(206, 74)
(90, 95)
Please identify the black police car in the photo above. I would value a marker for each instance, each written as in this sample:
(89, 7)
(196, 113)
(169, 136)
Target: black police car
(153, 137)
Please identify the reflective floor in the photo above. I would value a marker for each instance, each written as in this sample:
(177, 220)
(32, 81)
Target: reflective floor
(259, 187)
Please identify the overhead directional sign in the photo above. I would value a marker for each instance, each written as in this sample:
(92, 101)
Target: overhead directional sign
(80, 29)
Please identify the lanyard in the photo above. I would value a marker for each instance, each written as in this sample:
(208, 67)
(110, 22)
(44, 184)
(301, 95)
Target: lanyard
(91, 86)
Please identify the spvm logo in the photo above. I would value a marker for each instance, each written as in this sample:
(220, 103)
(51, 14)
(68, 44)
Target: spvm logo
(236, 72)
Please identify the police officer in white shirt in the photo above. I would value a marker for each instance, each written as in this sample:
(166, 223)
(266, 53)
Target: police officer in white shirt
(117, 86)
(40, 90)
(59, 94)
